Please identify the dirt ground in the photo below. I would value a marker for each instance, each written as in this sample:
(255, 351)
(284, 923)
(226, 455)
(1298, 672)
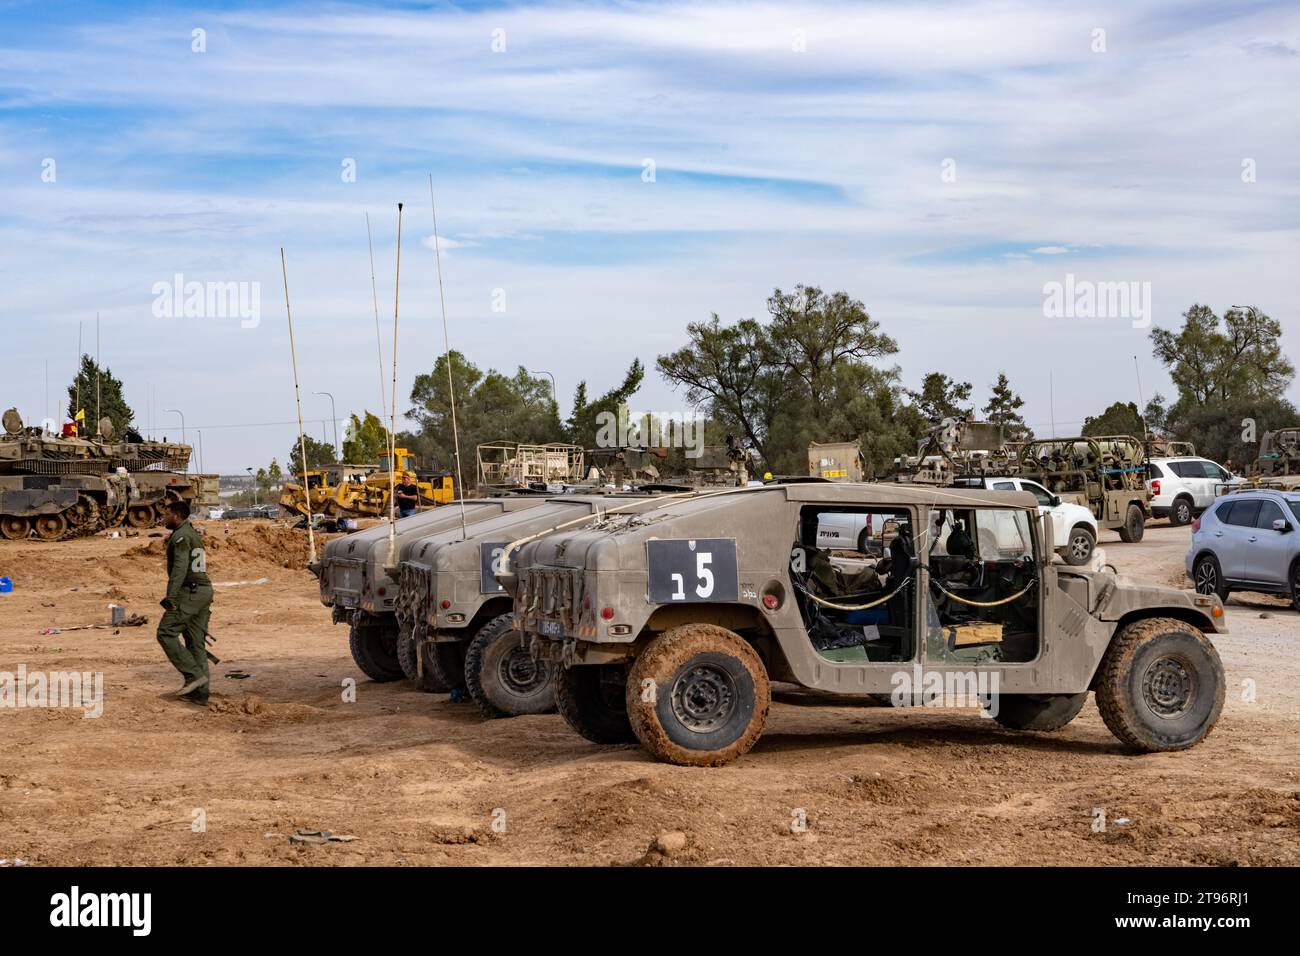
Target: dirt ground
(419, 780)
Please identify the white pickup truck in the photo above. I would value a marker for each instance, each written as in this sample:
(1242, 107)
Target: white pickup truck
(1074, 529)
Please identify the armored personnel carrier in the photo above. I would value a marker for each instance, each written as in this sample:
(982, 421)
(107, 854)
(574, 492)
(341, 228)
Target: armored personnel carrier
(54, 487)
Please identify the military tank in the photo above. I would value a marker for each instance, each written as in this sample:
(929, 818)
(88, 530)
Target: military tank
(54, 487)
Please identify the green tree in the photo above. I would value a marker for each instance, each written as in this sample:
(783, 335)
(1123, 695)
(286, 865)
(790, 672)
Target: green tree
(941, 397)
(728, 368)
(319, 454)
(1121, 418)
(1216, 360)
(806, 375)
(366, 441)
(1003, 410)
(489, 407)
(582, 426)
(1226, 370)
(106, 401)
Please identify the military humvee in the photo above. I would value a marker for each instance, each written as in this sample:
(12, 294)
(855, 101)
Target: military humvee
(459, 616)
(355, 583)
(670, 625)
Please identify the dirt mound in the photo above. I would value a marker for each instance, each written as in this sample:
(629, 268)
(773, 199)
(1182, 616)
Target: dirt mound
(245, 546)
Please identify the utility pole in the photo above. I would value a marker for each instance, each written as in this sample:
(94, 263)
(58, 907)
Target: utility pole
(338, 452)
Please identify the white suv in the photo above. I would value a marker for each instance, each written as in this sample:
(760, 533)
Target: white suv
(1181, 488)
(1074, 528)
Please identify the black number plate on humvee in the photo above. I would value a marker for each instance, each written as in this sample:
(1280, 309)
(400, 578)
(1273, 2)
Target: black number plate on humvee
(683, 570)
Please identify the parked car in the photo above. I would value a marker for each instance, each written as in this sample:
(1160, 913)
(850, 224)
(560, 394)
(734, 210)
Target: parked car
(1074, 527)
(1247, 541)
(1182, 488)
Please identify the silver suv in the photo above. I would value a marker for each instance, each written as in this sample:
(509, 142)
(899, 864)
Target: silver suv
(1247, 541)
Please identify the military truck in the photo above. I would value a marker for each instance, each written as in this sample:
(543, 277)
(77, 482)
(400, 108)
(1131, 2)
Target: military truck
(669, 627)
(356, 583)
(459, 618)
(1107, 474)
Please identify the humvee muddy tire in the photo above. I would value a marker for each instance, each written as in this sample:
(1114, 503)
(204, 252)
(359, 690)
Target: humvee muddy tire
(374, 648)
(406, 658)
(1041, 712)
(592, 700)
(444, 661)
(1134, 526)
(503, 677)
(1181, 512)
(1207, 577)
(1160, 685)
(1079, 545)
(698, 695)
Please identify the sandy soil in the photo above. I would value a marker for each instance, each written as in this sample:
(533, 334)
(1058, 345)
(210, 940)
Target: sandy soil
(419, 780)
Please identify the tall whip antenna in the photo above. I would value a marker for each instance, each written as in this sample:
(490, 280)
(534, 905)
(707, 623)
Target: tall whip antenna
(379, 345)
(392, 410)
(297, 397)
(98, 414)
(75, 425)
(446, 347)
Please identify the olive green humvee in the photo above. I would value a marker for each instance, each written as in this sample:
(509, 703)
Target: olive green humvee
(458, 616)
(356, 584)
(670, 626)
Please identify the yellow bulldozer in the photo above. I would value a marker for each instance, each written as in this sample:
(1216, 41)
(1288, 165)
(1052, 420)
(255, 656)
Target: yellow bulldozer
(361, 491)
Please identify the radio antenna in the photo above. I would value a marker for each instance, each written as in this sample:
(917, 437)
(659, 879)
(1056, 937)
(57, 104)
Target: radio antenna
(392, 410)
(446, 347)
(297, 397)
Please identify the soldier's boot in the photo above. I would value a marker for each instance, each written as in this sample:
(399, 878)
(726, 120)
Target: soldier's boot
(194, 686)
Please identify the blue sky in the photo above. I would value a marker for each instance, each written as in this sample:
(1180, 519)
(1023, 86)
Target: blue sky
(791, 143)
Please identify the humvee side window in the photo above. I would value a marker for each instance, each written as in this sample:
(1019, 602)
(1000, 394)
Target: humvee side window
(983, 594)
(852, 571)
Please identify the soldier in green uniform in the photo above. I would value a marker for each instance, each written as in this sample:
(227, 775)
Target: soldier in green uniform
(187, 604)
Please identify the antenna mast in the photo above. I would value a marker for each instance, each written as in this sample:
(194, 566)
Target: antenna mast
(446, 346)
(297, 397)
(392, 410)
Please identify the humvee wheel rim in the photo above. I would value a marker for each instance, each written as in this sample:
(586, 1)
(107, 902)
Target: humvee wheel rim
(1207, 582)
(519, 672)
(703, 698)
(1168, 687)
(1079, 545)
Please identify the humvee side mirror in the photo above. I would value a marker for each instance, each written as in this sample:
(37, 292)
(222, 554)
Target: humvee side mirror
(1045, 539)
(1282, 525)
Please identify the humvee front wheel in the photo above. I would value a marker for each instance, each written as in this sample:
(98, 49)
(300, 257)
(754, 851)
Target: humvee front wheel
(1042, 712)
(1134, 526)
(590, 698)
(1160, 685)
(698, 695)
(429, 683)
(374, 649)
(503, 677)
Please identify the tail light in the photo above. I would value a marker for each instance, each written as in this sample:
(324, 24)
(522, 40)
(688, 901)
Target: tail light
(1155, 487)
(1196, 525)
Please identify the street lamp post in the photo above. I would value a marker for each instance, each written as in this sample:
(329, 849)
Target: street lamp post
(201, 471)
(554, 395)
(177, 411)
(256, 501)
(338, 452)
